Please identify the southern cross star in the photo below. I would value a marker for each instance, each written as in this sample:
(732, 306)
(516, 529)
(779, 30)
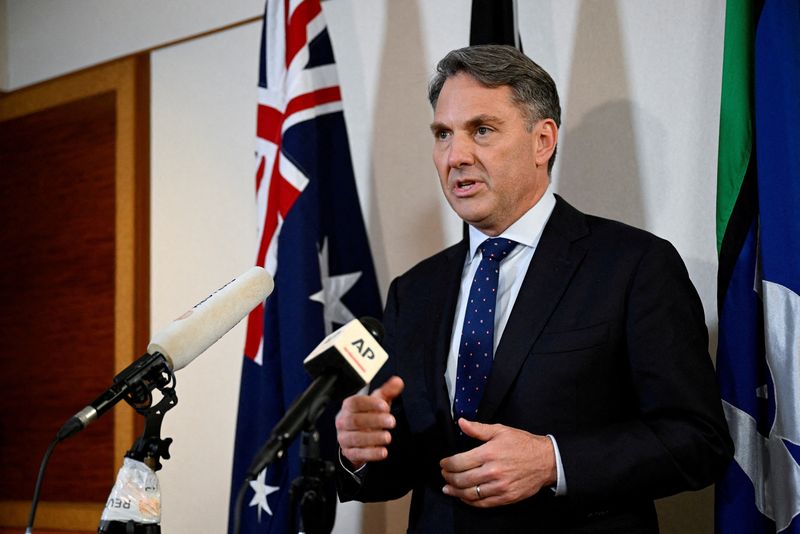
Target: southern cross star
(262, 490)
(333, 289)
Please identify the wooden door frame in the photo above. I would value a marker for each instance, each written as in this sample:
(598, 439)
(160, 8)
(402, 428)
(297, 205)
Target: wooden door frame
(129, 80)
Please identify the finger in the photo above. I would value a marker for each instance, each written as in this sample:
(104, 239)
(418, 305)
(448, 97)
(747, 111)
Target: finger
(465, 494)
(360, 456)
(478, 430)
(464, 479)
(459, 463)
(469, 494)
(359, 447)
(364, 403)
(489, 496)
(364, 439)
(389, 390)
(364, 421)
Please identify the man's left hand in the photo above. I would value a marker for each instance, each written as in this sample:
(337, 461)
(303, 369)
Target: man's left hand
(510, 466)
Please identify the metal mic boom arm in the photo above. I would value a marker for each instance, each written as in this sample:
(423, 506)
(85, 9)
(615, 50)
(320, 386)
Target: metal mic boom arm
(134, 384)
(306, 409)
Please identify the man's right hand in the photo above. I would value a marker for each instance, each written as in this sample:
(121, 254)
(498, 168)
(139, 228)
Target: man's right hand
(362, 425)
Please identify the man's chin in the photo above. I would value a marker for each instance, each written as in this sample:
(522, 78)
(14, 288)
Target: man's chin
(484, 224)
(471, 217)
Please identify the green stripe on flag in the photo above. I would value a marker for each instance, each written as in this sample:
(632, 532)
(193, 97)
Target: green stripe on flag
(736, 109)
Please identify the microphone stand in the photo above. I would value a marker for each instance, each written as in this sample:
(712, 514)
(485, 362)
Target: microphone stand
(308, 490)
(301, 415)
(148, 449)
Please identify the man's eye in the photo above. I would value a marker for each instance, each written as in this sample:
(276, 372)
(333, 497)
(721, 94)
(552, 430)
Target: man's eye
(482, 130)
(442, 135)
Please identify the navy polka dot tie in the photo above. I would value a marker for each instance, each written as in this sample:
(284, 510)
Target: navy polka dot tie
(475, 354)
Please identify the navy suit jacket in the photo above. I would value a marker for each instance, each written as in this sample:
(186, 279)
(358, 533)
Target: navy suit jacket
(606, 349)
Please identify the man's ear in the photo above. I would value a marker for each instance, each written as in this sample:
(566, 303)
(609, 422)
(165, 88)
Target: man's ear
(545, 138)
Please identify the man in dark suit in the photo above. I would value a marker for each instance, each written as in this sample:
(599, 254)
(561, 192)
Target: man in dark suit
(550, 372)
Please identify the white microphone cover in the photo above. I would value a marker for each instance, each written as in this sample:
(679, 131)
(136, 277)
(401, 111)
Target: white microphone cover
(196, 330)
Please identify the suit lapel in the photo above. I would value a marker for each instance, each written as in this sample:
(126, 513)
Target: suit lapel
(426, 396)
(445, 300)
(449, 299)
(553, 264)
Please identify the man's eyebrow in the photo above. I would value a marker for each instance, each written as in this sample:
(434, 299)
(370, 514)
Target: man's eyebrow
(474, 122)
(483, 119)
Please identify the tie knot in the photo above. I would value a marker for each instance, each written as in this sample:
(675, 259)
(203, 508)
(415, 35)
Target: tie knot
(496, 248)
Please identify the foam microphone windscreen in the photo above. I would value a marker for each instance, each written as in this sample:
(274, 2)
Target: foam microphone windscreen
(196, 330)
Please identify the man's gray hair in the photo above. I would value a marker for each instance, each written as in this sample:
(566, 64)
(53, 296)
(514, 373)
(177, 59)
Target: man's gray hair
(497, 65)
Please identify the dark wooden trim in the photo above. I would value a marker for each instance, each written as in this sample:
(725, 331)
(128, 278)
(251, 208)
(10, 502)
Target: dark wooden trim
(129, 80)
(206, 33)
(142, 211)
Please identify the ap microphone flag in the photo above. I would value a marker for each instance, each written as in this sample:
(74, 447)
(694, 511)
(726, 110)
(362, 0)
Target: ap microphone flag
(343, 363)
(312, 241)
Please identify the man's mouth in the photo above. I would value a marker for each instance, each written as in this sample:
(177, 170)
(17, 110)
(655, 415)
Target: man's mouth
(466, 184)
(466, 188)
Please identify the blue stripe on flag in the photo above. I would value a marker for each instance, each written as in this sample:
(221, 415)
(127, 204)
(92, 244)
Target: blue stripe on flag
(758, 360)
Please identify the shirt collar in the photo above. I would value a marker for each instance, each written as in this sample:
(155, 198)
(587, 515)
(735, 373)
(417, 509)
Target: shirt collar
(526, 230)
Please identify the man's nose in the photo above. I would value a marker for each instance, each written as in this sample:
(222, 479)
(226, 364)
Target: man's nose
(461, 151)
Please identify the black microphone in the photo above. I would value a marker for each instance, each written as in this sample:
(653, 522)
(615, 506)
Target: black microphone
(342, 363)
(177, 345)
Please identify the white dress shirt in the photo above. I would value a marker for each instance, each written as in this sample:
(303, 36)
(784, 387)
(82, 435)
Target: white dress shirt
(526, 231)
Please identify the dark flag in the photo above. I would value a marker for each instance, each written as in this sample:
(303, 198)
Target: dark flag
(312, 240)
(758, 235)
(494, 22)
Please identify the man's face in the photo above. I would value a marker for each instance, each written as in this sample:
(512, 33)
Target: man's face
(485, 156)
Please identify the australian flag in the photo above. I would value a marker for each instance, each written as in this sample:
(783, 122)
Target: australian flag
(312, 240)
(758, 223)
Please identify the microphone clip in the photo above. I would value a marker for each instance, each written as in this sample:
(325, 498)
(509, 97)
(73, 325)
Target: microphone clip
(149, 448)
(137, 487)
(151, 371)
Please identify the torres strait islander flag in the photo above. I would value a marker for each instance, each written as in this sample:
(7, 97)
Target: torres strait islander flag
(312, 241)
(758, 235)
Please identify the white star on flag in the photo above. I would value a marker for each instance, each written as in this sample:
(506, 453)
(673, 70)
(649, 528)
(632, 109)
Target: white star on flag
(262, 490)
(333, 289)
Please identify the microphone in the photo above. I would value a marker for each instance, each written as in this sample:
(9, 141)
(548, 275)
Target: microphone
(344, 362)
(177, 345)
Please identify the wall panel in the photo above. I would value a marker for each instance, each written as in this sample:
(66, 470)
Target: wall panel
(74, 277)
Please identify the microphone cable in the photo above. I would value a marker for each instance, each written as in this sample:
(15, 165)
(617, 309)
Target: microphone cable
(237, 511)
(38, 487)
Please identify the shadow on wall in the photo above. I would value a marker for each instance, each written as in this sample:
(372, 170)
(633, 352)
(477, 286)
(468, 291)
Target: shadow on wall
(704, 277)
(406, 192)
(405, 195)
(599, 171)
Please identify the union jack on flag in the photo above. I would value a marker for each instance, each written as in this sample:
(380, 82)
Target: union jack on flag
(311, 239)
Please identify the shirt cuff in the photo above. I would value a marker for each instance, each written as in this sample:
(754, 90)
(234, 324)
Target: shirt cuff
(358, 474)
(561, 481)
